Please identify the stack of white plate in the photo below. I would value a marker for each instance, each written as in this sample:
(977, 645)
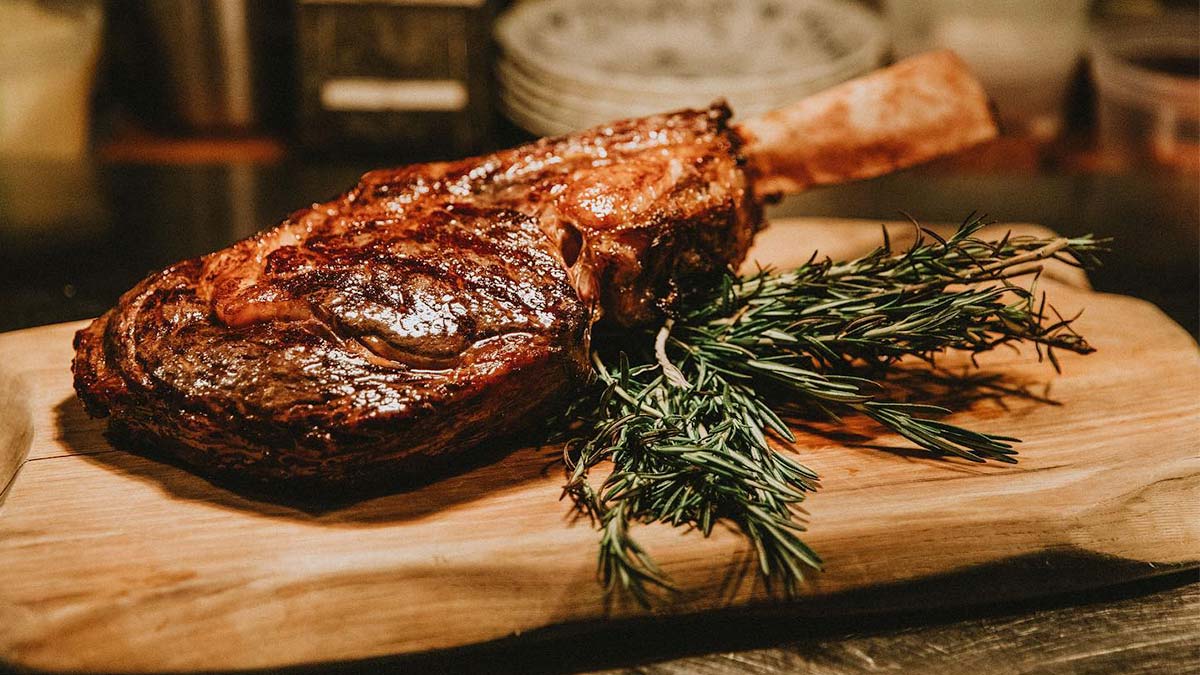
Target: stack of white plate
(572, 64)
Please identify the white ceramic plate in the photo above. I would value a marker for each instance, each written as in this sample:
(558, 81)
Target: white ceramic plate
(684, 45)
(571, 64)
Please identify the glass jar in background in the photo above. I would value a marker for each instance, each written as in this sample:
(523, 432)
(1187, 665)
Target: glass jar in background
(48, 59)
(1147, 76)
(1024, 51)
(47, 66)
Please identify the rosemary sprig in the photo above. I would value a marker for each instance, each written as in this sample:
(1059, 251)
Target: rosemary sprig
(684, 413)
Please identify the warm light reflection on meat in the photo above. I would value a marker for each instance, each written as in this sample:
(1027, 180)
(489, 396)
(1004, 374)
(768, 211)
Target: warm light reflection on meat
(435, 306)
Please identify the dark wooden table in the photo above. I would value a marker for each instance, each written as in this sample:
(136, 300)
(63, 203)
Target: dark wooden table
(1148, 627)
(1142, 628)
(72, 238)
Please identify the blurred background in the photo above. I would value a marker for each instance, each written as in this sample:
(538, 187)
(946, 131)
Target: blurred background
(133, 134)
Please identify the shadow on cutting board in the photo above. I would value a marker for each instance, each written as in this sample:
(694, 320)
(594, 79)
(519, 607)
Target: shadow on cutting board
(507, 464)
(985, 393)
(500, 466)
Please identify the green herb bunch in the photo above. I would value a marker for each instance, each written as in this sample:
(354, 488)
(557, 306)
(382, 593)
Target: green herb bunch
(684, 413)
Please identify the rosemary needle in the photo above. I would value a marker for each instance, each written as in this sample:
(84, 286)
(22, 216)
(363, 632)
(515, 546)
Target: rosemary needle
(683, 413)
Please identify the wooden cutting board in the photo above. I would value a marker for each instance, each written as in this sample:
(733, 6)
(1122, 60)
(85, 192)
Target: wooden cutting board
(110, 561)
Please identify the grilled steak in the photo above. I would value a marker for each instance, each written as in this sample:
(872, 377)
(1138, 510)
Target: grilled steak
(376, 342)
(434, 306)
(427, 309)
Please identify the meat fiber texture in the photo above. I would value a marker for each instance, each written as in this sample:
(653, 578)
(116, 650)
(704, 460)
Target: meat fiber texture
(429, 308)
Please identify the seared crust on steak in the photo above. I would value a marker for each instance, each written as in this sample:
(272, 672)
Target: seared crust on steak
(644, 210)
(429, 308)
(412, 349)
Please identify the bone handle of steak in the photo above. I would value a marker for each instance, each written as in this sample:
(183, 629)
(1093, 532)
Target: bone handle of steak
(918, 109)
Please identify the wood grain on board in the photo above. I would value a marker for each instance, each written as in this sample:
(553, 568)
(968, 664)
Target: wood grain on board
(113, 561)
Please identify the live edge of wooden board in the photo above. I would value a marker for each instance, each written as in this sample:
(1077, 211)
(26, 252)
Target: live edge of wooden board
(115, 562)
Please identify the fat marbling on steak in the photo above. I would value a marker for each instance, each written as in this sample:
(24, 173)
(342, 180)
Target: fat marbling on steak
(435, 306)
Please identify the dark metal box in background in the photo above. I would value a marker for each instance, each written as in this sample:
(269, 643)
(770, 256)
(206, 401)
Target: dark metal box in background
(411, 76)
